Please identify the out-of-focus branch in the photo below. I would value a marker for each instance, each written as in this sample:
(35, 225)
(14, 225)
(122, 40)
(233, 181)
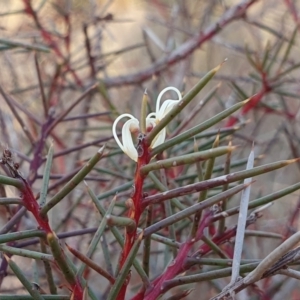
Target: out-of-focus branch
(234, 13)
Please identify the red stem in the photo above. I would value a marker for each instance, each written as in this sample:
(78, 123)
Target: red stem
(50, 41)
(32, 205)
(253, 101)
(177, 265)
(136, 209)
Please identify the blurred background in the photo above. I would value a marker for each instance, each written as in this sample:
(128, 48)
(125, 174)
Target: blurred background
(51, 52)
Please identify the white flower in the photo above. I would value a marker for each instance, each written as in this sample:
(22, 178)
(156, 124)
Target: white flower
(132, 125)
(168, 104)
(129, 127)
(161, 112)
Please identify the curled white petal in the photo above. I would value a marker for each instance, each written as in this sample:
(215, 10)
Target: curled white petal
(168, 104)
(127, 146)
(151, 115)
(151, 120)
(160, 138)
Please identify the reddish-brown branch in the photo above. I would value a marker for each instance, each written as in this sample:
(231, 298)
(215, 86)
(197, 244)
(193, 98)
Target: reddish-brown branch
(77, 291)
(203, 250)
(136, 208)
(177, 265)
(32, 205)
(291, 6)
(253, 101)
(68, 34)
(89, 51)
(234, 13)
(48, 38)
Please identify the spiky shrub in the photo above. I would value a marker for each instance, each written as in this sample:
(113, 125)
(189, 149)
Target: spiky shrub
(165, 211)
(144, 222)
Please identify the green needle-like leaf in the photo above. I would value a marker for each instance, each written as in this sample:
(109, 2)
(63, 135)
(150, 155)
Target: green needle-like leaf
(20, 235)
(73, 182)
(118, 235)
(13, 44)
(207, 175)
(199, 128)
(7, 201)
(48, 270)
(11, 181)
(125, 269)
(182, 104)
(23, 278)
(46, 176)
(26, 253)
(186, 159)
(260, 201)
(214, 182)
(144, 113)
(121, 221)
(61, 258)
(97, 237)
(288, 49)
(192, 210)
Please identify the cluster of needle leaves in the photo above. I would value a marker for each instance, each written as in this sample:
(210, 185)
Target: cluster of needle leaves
(92, 224)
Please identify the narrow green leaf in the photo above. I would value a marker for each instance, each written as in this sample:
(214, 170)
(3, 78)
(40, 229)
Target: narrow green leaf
(147, 242)
(274, 57)
(125, 269)
(11, 181)
(73, 182)
(97, 237)
(260, 201)
(26, 253)
(121, 221)
(221, 225)
(11, 43)
(157, 183)
(23, 278)
(206, 276)
(253, 63)
(185, 159)
(168, 213)
(266, 55)
(240, 91)
(61, 258)
(144, 113)
(214, 247)
(288, 49)
(163, 239)
(195, 111)
(48, 270)
(199, 128)
(117, 234)
(7, 201)
(181, 105)
(287, 71)
(207, 175)
(20, 235)
(214, 182)
(192, 210)
(46, 177)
